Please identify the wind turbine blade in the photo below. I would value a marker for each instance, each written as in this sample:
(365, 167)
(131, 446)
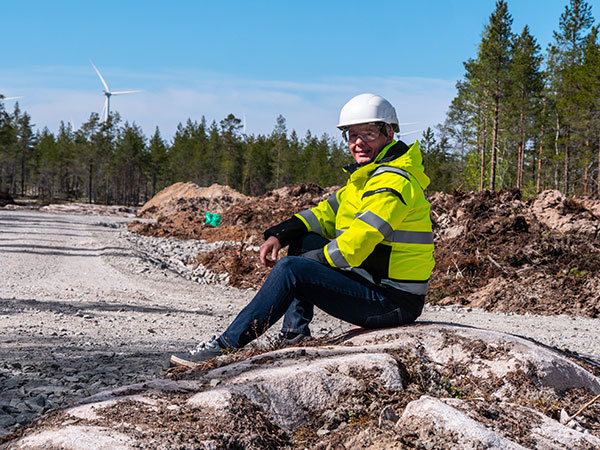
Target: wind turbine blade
(101, 79)
(10, 98)
(125, 92)
(406, 133)
(405, 124)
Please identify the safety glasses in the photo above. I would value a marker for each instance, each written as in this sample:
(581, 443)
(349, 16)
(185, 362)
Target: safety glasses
(367, 132)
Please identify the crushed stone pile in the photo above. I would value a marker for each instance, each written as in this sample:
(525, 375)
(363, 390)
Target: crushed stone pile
(90, 209)
(420, 386)
(496, 252)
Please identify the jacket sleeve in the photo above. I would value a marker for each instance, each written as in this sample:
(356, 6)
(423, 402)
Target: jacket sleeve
(387, 199)
(321, 218)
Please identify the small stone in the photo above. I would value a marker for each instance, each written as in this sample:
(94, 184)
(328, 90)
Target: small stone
(6, 421)
(387, 416)
(8, 409)
(322, 432)
(214, 382)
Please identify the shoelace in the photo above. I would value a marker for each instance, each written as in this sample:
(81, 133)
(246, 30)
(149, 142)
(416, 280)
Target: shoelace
(208, 345)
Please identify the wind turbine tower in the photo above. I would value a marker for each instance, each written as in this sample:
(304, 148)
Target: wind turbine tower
(108, 93)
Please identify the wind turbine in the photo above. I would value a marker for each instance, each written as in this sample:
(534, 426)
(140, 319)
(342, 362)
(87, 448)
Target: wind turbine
(108, 93)
(406, 133)
(4, 99)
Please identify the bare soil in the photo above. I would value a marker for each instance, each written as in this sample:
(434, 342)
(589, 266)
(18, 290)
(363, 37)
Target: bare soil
(492, 250)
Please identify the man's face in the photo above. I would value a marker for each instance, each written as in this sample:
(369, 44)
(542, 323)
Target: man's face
(366, 141)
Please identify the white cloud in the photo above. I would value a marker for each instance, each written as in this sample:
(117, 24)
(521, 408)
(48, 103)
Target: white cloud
(173, 96)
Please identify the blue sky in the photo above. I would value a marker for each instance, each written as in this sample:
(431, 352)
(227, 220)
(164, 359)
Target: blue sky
(255, 59)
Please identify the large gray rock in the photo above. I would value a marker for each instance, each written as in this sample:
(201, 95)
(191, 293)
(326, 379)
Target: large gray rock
(435, 422)
(327, 388)
(445, 423)
(76, 438)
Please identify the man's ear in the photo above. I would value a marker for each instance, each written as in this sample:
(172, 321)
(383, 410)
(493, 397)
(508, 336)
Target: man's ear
(390, 132)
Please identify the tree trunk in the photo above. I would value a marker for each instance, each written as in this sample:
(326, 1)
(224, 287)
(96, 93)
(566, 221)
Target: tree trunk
(585, 173)
(494, 138)
(521, 151)
(90, 173)
(541, 151)
(556, 152)
(566, 172)
(482, 137)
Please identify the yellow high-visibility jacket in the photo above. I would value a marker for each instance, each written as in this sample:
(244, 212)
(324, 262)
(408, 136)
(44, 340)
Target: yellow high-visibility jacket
(379, 223)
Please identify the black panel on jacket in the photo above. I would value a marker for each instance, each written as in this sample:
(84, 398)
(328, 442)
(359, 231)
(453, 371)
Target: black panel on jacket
(287, 231)
(378, 262)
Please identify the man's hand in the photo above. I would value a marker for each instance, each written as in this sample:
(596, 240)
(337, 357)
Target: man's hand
(270, 248)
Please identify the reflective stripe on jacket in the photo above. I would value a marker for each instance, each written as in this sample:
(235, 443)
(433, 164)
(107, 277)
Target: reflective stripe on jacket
(379, 222)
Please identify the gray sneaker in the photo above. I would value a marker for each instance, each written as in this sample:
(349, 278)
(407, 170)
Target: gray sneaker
(203, 352)
(289, 339)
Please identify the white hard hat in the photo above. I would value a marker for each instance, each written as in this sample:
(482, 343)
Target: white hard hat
(365, 108)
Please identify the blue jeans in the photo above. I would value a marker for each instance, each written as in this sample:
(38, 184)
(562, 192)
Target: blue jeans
(296, 285)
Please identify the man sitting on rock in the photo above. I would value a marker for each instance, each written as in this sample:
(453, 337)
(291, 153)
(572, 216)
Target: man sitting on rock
(364, 255)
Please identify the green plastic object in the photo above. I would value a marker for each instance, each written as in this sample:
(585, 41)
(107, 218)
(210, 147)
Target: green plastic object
(212, 219)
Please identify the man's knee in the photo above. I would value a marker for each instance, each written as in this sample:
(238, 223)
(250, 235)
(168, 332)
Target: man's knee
(288, 263)
(298, 266)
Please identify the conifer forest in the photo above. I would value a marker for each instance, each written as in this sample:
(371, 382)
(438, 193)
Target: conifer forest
(523, 117)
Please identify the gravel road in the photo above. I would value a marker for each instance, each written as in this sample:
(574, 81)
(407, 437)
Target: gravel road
(86, 304)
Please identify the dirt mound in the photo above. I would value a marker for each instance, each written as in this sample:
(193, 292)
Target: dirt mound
(243, 265)
(567, 215)
(257, 214)
(499, 253)
(172, 199)
(242, 220)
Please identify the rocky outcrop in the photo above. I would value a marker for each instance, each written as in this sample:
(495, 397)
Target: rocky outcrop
(425, 386)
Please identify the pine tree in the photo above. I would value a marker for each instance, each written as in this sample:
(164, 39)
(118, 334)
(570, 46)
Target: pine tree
(589, 80)
(8, 139)
(47, 165)
(527, 84)
(280, 144)
(69, 172)
(232, 155)
(258, 165)
(25, 143)
(565, 57)
(157, 150)
(494, 60)
(126, 165)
